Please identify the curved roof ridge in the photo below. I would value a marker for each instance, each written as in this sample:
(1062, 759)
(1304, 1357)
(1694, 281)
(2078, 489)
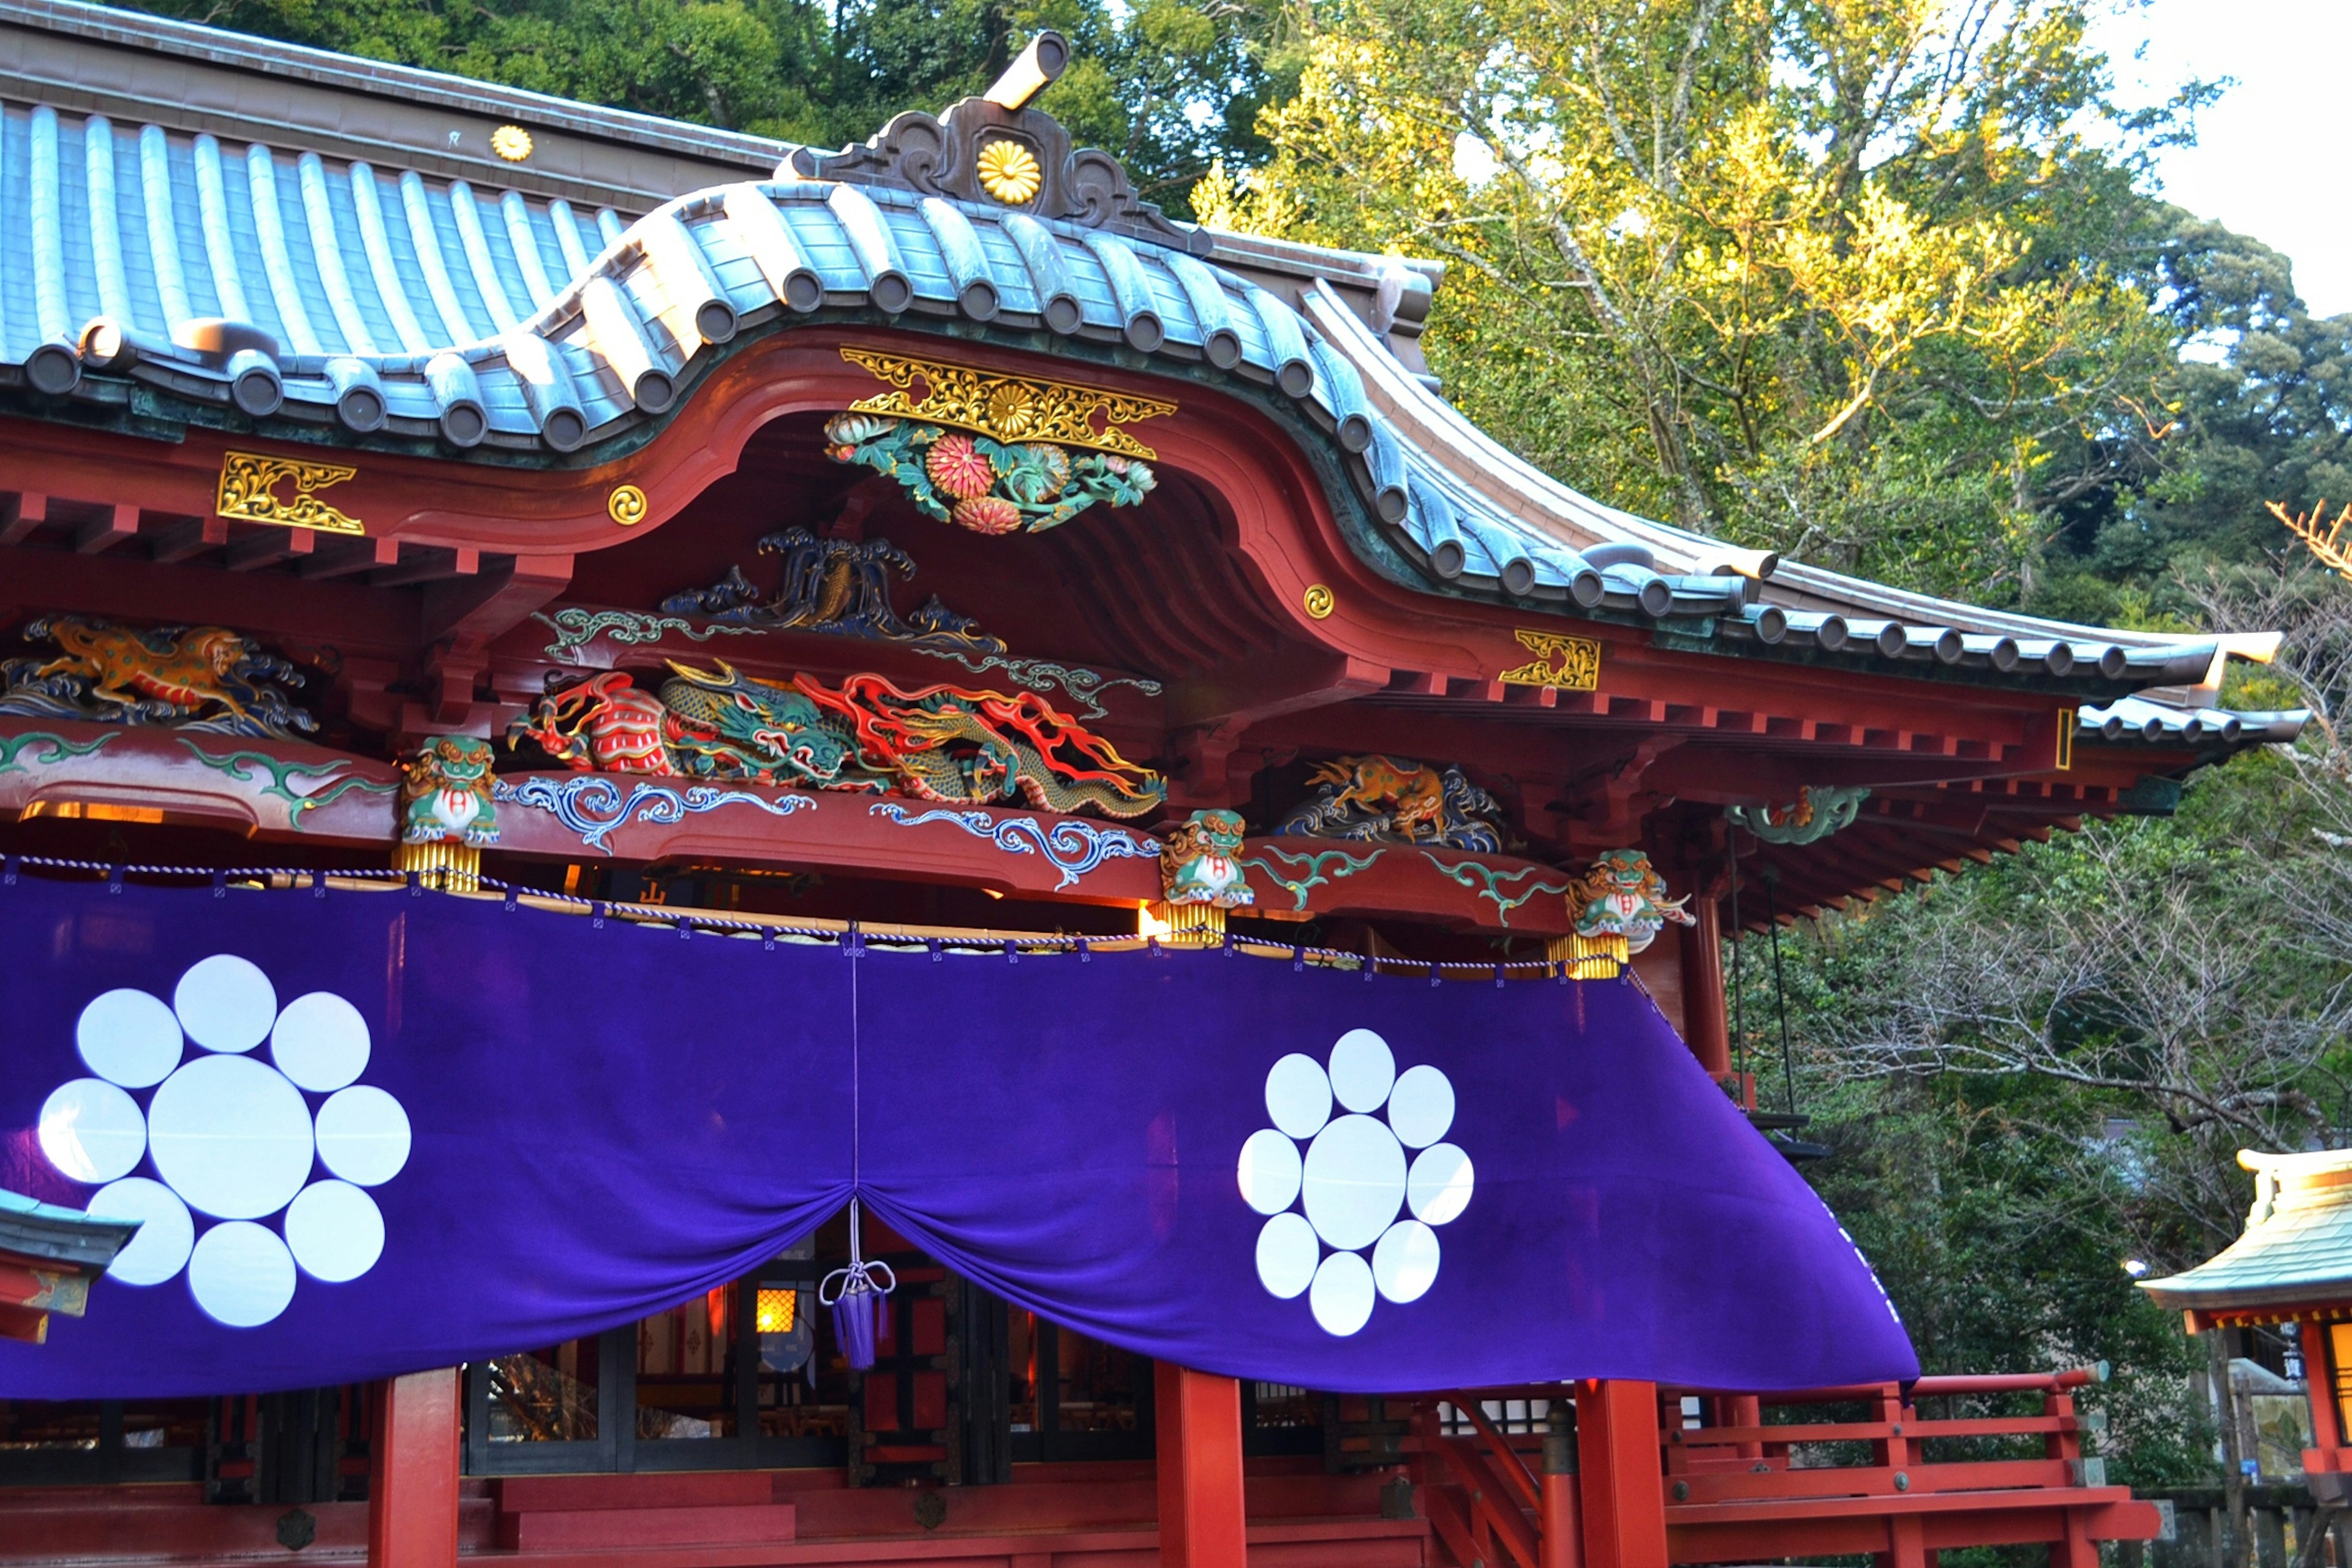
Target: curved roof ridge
(1439, 426)
(2297, 1247)
(1576, 520)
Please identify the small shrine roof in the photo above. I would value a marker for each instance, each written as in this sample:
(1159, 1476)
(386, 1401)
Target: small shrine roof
(2297, 1245)
(29, 1228)
(399, 302)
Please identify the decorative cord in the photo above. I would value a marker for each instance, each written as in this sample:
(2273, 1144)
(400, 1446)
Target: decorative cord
(851, 940)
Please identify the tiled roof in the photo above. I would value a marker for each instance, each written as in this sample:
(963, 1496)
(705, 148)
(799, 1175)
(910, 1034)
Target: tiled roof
(394, 304)
(33, 1229)
(2297, 1247)
(2161, 724)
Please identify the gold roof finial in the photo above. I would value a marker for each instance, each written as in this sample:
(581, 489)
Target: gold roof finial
(1047, 56)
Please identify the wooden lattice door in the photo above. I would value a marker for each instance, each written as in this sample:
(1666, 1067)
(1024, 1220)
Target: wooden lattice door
(904, 1417)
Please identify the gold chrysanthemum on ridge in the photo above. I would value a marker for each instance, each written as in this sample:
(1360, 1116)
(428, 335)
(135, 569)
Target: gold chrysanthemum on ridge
(1009, 171)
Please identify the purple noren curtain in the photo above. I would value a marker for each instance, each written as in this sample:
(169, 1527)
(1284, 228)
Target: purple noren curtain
(372, 1132)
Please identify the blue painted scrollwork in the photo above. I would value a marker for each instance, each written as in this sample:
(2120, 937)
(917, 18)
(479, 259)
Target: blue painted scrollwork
(1071, 848)
(594, 808)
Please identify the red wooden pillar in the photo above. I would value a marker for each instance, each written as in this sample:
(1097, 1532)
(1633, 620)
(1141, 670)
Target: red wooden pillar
(413, 1467)
(1619, 1482)
(2319, 1376)
(1705, 1019)
(1202, 1520)
(1561, 1531)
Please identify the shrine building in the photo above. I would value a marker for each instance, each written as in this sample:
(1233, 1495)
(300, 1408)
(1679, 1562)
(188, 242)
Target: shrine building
(2291, 1271)
(676, 807)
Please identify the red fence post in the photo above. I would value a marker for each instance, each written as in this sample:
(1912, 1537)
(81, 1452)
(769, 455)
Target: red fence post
(1618, 1480)
(413, 1469)
(1202, 1523)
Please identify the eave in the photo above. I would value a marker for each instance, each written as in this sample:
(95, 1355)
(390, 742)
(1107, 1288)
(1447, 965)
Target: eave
(426, 322)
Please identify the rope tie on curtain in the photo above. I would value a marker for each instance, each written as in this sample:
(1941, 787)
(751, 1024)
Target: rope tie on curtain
(855, 1292)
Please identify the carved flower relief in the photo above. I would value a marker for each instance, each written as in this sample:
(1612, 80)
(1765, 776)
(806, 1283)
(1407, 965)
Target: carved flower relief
(1034, 472)
(957, 468)
(987, 514)
(1010, 173)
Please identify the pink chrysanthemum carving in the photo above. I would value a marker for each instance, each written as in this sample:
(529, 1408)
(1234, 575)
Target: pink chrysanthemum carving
(957, 469)
(987, 514)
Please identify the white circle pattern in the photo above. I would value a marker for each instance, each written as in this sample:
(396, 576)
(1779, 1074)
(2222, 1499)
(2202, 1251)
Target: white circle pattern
(91, 1130)
(1299, 1096)
(1353, 1180)
(363, 1135)
(129, 1039)
(166, 1230)
(241, 1274)
(226, 1003)
(335, 1231)
(1270, 1172)
(231, 1136)
(320, 1042)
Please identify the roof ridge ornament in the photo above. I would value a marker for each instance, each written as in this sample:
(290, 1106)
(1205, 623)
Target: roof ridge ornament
(995, 149)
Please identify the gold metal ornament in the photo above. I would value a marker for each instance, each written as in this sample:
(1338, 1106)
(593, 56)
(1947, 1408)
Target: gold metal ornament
(512, 142)
(1008, 408)
(626, 505)
(1320, 602)
(1563, 663)
(248, 492)
(1009, 171)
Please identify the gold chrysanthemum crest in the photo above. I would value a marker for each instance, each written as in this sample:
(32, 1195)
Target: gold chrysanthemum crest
(1009, 171)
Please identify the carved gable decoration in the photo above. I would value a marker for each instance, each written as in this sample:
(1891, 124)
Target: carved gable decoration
(1021, 159)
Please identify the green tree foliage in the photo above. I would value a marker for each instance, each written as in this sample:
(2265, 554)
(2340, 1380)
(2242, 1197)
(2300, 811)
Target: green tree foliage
(2259, 410)
(1860, 282)
(1168, 86)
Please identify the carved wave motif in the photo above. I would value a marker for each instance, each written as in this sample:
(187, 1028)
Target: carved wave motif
(575, 628)
(1074, 848)
(594, 808)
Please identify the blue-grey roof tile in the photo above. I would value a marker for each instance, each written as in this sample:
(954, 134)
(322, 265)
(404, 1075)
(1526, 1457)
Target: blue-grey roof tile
(284, 239)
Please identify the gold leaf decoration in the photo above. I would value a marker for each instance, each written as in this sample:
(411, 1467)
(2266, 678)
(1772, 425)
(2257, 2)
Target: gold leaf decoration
(248, 492)
(1564, 663)
(626, 505)
(1009, 171)
(512, 142)
(1007, 407)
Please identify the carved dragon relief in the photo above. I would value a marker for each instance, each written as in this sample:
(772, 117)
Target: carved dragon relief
(951, 155)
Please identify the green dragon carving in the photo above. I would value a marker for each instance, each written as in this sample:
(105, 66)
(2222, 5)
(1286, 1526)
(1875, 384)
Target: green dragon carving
(942, 743)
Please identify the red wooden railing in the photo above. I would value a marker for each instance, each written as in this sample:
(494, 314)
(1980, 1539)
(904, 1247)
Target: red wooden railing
(1738, 1487)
